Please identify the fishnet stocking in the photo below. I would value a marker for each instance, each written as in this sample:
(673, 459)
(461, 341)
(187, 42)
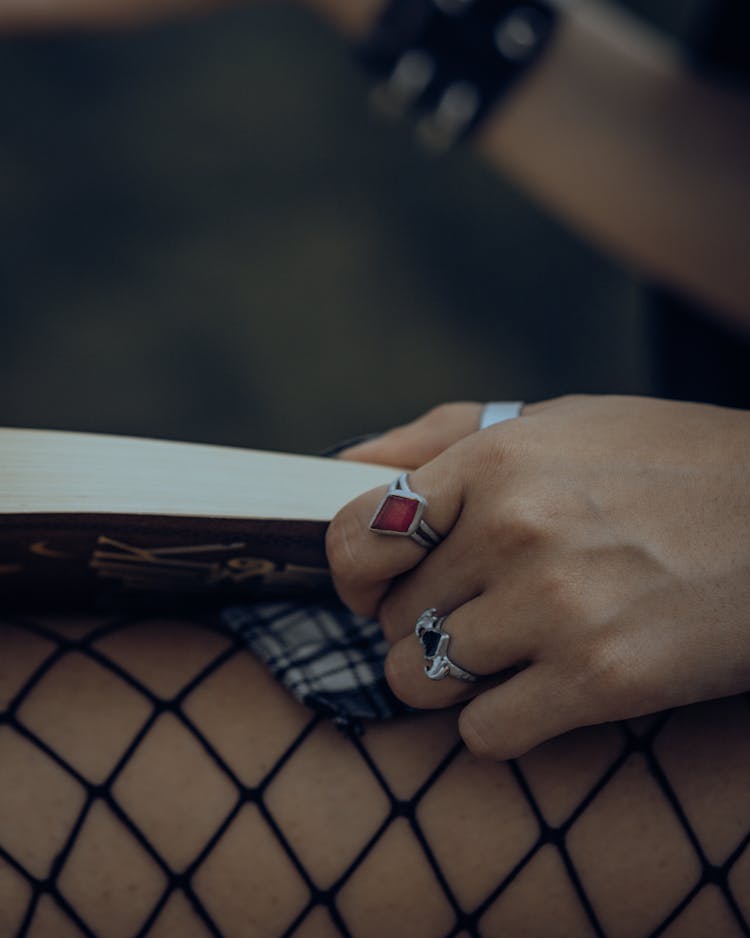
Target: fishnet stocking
(155, 781)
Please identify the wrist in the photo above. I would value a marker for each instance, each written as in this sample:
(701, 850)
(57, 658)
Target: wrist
(446, 63)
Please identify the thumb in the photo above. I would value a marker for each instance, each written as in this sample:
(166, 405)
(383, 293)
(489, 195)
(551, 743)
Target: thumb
(414, 444)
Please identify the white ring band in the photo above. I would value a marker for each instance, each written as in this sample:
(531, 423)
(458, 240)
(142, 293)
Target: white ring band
(497, 411)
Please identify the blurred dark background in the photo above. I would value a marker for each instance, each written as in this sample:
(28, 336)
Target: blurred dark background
(207, 235)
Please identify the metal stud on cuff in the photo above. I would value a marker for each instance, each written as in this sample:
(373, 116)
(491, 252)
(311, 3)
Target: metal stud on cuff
(450, 61)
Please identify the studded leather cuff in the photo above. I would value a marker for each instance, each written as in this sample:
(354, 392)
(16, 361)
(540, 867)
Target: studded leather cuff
(449, 61)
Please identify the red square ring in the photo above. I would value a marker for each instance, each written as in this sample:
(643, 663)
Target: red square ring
(398, 513)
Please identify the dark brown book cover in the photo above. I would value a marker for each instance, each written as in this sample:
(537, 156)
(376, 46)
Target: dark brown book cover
(114, 560)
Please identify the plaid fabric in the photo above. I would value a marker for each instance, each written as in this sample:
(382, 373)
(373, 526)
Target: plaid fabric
(328, 658)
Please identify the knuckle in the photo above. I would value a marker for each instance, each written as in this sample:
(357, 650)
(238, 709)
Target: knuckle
(442, 412)
(362, 602)
(400, 678)
(348, 570)
(391, 620)
(561, 403)
(397, 435)
(572, 399)
(601, 661)
(341, 547)
(479, 736)
(447, 423)
(521, 524)
(607, 673)
(560, 594)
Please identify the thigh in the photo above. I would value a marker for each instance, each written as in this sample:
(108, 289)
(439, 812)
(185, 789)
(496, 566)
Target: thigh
(155, 780)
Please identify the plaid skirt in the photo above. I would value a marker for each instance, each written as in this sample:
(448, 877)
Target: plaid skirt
(330, 659)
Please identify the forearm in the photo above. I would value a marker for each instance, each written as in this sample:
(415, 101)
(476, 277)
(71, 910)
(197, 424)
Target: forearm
(612, 133)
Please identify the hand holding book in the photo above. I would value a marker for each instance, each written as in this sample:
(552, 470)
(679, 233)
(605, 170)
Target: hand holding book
(597, 544)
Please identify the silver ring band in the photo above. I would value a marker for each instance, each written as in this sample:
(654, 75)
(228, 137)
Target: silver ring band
(498, 411)
(435, 640)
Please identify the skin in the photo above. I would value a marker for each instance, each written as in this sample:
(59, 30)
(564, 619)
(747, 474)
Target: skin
(619, 841)
(598, 544)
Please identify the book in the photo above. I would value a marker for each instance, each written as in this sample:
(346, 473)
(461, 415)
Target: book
(92, 520)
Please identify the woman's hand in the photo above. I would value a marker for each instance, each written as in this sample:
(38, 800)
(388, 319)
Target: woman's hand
(600, 545)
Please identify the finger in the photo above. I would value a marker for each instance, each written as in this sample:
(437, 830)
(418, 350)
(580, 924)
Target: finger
(467, 564)
(406, 677)
(509, 720)
(416, 443)
(480, 642)
(446, 579)
(364, 562)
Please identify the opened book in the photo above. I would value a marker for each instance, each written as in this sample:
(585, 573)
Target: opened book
(90, 519)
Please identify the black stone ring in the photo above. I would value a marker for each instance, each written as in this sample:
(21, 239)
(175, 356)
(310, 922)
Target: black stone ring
(429, 630)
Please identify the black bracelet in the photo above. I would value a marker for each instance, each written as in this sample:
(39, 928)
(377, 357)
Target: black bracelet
(449, 61)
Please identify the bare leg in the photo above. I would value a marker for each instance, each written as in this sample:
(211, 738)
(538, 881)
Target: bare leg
(154, 780)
